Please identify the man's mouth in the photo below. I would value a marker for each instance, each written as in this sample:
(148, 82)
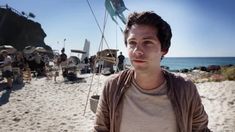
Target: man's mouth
(138, 61)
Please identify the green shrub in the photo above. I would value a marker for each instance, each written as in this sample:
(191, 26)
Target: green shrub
(228, 72)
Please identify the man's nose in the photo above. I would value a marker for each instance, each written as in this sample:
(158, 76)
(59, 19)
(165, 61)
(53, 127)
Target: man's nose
(138, 50)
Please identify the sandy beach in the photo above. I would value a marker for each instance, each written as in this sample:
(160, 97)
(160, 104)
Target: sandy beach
(44, 105)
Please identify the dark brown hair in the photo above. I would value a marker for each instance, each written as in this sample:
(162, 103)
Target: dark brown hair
(151, 19)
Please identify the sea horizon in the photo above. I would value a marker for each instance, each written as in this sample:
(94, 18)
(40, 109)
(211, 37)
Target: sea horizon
(178, 63)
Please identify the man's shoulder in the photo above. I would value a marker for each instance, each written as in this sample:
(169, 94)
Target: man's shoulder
(179, 82)
(118, 80)
(176, 77)
(120, 75)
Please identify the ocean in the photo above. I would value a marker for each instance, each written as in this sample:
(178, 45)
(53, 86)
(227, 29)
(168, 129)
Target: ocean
(177, 63)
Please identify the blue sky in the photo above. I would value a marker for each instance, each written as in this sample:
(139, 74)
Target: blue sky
(201, 28)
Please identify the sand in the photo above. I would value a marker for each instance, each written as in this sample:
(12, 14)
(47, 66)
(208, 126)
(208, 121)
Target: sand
(44, 105)
(219, 102)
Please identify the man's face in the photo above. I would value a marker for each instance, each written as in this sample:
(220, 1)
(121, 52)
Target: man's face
(144, 48)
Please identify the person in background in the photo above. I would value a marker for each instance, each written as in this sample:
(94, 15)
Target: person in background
(7, 68)
(37, 58)
(86, 62)
(56, 64)
(40, 65)
(92, 63)
(46, 59)
(147, 98)
(63, 62)
(19, 61)
(121, 59)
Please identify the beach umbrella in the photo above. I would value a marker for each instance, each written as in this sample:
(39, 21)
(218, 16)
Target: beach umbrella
(40, 49)
(10, 49)
(29, 49)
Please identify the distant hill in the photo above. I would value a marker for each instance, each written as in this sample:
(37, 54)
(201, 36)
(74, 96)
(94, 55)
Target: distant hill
(19, 31)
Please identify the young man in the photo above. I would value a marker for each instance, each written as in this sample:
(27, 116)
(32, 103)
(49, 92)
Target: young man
(148, 98)
(7, 68)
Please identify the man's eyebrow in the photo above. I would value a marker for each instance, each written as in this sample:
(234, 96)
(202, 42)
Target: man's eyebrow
(131, 39)
(149, 37)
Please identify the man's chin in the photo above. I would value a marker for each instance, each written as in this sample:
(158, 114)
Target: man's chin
(139, 68)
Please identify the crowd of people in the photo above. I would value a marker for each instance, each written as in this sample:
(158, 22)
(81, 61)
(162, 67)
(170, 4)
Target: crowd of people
(38, 64)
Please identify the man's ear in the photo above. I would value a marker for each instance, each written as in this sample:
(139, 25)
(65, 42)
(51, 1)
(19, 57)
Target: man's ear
(164, 51)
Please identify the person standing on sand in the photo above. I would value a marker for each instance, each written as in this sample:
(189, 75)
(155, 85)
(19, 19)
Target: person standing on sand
(121, 59)
(63, 62)
(147, 98)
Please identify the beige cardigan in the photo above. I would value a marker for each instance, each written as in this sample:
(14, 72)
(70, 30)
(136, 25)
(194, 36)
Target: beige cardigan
(189, 111)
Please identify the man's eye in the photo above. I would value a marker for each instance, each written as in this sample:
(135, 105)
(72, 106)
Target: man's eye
(131, 44)
(148, 43)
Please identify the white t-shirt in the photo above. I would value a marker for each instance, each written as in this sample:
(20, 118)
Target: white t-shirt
(147, 110)
(6, 61)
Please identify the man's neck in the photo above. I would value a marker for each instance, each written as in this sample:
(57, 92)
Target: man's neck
(150, 80)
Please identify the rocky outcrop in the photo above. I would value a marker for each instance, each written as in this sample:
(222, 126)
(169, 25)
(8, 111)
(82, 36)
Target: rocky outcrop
(19, 31)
